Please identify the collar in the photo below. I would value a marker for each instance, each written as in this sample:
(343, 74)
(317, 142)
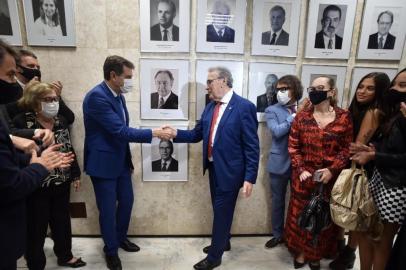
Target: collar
(167, 96)
(218, 29)
(384, 36)
(163, 28)
(20, 82)
(112, 91)
(333, 37)
(166, 161)
(227, 97)
(277, 32)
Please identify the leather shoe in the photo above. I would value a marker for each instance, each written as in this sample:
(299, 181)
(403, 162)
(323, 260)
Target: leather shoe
(129, 246)
(205, 264)
(113, 262)
(78, 263)
(273, 242)
(226, 248)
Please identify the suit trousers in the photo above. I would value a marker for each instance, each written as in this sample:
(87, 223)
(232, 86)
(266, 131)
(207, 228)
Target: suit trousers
(114, 199)
(12, 266)
(278, 185)
(223, 208)
(49, 205)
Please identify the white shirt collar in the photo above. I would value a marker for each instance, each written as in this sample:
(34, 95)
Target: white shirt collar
(166, 97)
(218, 29)
(112, 91)
(20, 83)
(327, 39)
(227, 97)
(169, 28)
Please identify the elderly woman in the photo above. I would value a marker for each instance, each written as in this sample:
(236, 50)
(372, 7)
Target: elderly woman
(319, 149)
(48, 24)
(279, 118)
(50, 204)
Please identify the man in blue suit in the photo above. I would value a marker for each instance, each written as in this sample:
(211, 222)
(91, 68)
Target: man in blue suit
(228, 128)
(107, 157)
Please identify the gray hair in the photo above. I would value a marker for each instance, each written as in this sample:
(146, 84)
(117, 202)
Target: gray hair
(220, 4)
(276, 8)
(387, 12)
(223, 73)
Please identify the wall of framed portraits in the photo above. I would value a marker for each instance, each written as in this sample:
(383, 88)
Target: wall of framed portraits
(178, 202)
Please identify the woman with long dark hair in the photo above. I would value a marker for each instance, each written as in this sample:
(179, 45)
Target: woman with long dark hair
(48, 23)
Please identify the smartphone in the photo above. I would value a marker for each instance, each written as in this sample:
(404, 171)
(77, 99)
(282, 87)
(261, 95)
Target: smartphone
(317, 176)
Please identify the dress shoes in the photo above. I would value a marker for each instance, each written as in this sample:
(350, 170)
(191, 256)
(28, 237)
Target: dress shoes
(129, 246)
(78, 263)
(273, 242)
(113, 262)
(205, 264)
(226, 248)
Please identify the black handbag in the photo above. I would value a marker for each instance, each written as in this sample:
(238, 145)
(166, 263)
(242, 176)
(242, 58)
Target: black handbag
(315, 216)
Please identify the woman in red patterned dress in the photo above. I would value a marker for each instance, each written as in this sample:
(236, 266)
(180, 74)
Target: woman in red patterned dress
(319, 141)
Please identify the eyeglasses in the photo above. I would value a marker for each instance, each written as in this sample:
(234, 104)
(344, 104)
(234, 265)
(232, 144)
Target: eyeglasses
(282, 89)
(208, 82)
(50, 99)
(311, 89)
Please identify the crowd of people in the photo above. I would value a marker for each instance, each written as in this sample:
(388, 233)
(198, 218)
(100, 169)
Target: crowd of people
(313, 140)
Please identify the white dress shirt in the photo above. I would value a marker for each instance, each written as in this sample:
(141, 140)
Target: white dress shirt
(277, 36)
(115, 95)
(168, 33)
(383, 41)
(327, 40)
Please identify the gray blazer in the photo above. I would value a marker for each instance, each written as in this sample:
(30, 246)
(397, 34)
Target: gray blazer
(283, 39)
(279, 121)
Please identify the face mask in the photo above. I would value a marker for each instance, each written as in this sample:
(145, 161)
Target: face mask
(317, 97)
(395, 97)
(128, 86)
(9, 92)
(50, 109)
(283, 97)
(30, 73)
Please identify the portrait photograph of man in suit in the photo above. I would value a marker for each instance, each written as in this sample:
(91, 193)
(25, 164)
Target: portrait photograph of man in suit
(164, 13)
(218, 30)
(332, 23)
(276, 35)
(166, 163)
(383, 39)
(5, 21)
(163, 96)
(269, 97)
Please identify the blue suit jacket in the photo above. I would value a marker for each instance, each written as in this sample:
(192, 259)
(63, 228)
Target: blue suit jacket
(107, 134)
(236, 145)
(279, 121)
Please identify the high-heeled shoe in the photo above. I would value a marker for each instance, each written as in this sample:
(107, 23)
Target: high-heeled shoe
(314, 265)
(297, 264)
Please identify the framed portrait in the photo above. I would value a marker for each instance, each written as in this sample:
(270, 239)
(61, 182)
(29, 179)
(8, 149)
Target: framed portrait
(275, 27)
(202, 68)
(311, 72)
(163, 160)
(262, 84)
(9, 22)
(165, 25)
(329, 28)
(50, 22)
(164, 89)
(383, 30)
(359, 72)
(221, 26)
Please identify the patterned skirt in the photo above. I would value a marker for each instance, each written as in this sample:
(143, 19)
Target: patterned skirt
(391, 202)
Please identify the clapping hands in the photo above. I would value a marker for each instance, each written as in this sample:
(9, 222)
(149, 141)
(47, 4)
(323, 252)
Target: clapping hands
(165, 132)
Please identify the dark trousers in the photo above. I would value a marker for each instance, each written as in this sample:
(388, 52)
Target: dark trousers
(114, 198)
(279, 184)
(11, 266)
(397, 257)
(48, 206)
(223, 207)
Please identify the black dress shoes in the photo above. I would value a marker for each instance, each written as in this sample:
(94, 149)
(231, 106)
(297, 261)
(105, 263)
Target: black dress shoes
(129, 246)
(206, 265)
(227, 248)
(78, 263)
(113, 262)
(273, 242)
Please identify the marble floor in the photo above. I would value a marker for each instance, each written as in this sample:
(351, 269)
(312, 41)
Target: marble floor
(247, 253)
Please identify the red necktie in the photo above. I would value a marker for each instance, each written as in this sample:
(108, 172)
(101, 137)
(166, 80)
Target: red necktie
(213, 123)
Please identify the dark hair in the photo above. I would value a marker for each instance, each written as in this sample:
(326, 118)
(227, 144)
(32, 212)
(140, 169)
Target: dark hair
(5, 49)
(170, 3)
(166, 72)
(385, 12)
(294, 84)
(55, 17)
(169, 142)
(331, 8)
(381, 81)
(277, 7)
(115, 63)
(23, 53)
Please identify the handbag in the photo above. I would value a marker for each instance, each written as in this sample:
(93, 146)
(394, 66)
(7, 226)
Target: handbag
(315, 216)
(352, 206)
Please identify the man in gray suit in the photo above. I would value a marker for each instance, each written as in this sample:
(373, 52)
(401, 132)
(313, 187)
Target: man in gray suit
(276, 36)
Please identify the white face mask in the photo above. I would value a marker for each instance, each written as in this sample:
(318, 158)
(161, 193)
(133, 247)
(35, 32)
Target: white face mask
(283, 97)
(50, 109)
(127, 87)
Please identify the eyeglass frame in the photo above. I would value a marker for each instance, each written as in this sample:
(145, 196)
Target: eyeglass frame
(209, 82)
(311, 89)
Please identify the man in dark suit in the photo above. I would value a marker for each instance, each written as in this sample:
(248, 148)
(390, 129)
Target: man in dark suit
(218, 31)
(107, 156)
(276, 36)
(269, 98)
(164, 98)
(327, 38)
(165, 30)
(166, 163)
(228, 128)
(383, 39)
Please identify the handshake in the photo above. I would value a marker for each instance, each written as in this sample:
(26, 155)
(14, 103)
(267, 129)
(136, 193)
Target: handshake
(165, 132)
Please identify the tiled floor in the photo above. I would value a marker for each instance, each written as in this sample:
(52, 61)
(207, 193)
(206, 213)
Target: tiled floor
(247, 253)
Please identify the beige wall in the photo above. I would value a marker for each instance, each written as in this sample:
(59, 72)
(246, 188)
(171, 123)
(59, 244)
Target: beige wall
(104, 27)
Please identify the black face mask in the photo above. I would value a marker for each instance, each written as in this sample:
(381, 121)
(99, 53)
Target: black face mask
(9, 92)
(30, 73)
(317, 97)
(394, 97)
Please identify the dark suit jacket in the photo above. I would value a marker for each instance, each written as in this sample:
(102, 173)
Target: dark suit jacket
(236, 144)
(16, 182)
(5, 25)
(212, 36)
(157, 166)
(389, 42)
(262, 103)
(283, 39)
(157, 35)
(171, 103)
(9, 125)
(319, 41)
